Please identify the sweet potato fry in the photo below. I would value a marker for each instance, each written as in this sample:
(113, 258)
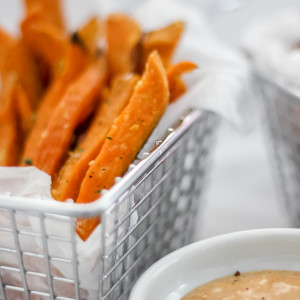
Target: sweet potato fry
(67, 183)
(21, 62)
(89, 34)
(126, 136)
(72, 66)
(122, 34)
(5, 39)
(176, 86)
(9, 137)
(164, 41)
(24, 110)
(45, 40)
(15, 57)
(49, 9)
(6, 43)
(73, 109)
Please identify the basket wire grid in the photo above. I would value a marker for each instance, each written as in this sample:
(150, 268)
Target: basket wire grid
(282, 114)
(148, 213)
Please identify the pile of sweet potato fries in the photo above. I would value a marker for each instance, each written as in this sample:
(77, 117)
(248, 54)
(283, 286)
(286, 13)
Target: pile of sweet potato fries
(79, 111)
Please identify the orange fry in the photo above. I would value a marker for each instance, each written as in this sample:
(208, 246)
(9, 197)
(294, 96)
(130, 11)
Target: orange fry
(126, 137)
(89, 35)
(15, 58)
(122, 34)
(9, 136)
(6, 43)
(21, 62)
(51, 10)
(45, 40)
(164, 41)
(72, 67)
(24, 110)
(75, 106)
(67, 183)
(176, 85)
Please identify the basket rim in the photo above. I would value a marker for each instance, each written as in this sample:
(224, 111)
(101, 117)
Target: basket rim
(50, 206)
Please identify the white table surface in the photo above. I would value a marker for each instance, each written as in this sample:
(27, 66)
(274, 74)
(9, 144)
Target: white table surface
(241, 194)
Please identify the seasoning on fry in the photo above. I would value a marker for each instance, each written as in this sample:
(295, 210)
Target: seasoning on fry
(149, 99)
(76, 166)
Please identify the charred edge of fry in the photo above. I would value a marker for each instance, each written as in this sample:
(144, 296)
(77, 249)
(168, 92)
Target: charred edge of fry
(76, 39)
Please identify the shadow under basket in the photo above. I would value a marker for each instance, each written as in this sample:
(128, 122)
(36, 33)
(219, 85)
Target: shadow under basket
(148, 213)
(282, 114)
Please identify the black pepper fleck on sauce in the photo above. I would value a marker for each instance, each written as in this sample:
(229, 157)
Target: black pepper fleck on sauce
(237, 273)
(91, 176)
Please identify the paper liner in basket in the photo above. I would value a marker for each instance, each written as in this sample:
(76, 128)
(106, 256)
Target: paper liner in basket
(221, 84)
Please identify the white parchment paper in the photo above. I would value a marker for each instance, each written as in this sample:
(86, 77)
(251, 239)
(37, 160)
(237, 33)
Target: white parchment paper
(221, 84)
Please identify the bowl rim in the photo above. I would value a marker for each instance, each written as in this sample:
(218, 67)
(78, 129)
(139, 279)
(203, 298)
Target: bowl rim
(172, 257)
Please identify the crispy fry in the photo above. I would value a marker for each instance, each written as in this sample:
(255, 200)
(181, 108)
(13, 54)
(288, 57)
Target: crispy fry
(45, 40)
(76, 105)
(122, 34)
(67, 183)
(15, 58)
(6, 43)
(126, 136)
(24, 110)
(176, 85)
(9, 139)
(5, 39)
(89, 34)
(49, 9)
(164, 41)
(72, 66)
(21, 62)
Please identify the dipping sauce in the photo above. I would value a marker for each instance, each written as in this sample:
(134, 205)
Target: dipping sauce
(260, 285)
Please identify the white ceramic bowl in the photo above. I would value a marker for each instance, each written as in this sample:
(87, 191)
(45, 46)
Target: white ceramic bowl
(183, 270)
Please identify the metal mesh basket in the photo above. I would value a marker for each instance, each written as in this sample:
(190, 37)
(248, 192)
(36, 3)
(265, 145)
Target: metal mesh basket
(282, 113)
(145, 215)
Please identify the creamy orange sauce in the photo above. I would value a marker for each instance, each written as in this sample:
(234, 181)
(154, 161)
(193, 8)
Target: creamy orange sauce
(260, 285)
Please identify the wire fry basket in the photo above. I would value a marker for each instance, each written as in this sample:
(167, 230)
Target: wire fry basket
(148, 213)
(282, 113)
